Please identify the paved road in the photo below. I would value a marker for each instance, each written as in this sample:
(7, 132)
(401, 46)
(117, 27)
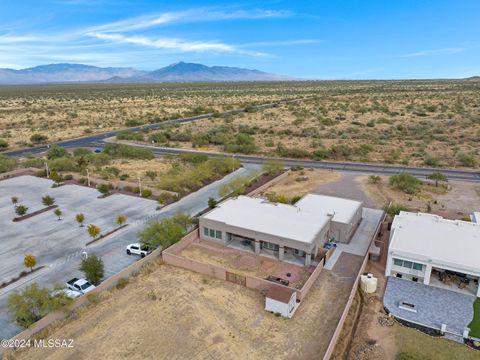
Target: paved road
(331, 165)
(112, 249)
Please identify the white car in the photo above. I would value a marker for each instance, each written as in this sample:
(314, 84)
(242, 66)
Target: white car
(67, 292)
(137, 249)
(81, 286)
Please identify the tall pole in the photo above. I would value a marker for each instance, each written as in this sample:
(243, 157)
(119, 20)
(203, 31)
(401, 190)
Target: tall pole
(140, 186)
(88, 178)
(46, 169)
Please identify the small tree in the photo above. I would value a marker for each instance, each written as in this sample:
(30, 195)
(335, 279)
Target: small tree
(92, 267)
(48, 200)
(30, 261)
(212, 202)
(80, 219)
(121, 219)
(14, 200)
(58, 213)
(33, 303)
(437, 177)
(21, 210)
(103, 188)
(405, 182)
(93, 231)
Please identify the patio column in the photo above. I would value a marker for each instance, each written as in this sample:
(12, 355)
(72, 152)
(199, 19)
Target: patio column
(428, 272)
(388, 267)
(281, 252)
(308, 259)
(478, 290)
(257, 246)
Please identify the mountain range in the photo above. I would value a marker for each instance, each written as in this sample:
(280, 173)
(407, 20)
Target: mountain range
(178, 72)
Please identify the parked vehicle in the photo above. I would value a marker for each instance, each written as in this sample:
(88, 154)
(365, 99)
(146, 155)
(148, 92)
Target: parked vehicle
(67, 292)
(81, 286)
(137, 249)
(98, 150)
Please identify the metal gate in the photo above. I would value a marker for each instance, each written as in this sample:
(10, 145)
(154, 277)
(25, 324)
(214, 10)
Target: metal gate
(235, 278)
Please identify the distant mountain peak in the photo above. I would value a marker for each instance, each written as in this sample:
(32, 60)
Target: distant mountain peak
(177, 72)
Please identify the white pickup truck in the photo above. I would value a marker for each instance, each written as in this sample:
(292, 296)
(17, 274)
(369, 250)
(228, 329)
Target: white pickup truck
(80, 285)
(137, 249)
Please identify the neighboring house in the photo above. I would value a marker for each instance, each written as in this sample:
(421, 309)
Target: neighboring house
(435, 251)
(282, 230)
(475, 217)
(281, 300)
(346, 214)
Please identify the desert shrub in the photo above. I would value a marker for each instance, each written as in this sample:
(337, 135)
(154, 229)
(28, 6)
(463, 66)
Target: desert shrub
(130, 135)
(166, 198)
(81, 152)
(103, 188)
(374, 179)
(243, 143)
(321, 154)
(7, 163)
(121, 283)
(430, 160)
(38, 138)
(405, 182)
(193, 158)
(3, 144)
(62, 164)
(129, 152)
(467, 160)
(296, 153)
(146, 193)
(34, 162)
(273, 167)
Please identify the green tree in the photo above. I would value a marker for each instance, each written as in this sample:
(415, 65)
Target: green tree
(93, 269)
(7, 163)
(33, 303)
(437, 177)
(273, 167)
(30, 261)
(103, 188)
(162, 233)
(48, 200)
(93, 231)
(56, 152)
(21, 210)
(14, 200)
(58, 213)
(212, 202)
(38, 138)
(405, 182)
(80, 219)
(394, 209)
(121, 219)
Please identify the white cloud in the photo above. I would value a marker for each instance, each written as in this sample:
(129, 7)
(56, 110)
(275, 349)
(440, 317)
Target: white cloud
(193, 15)
(433, 52)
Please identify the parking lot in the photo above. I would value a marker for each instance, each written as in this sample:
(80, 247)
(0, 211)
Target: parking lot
(48, 238)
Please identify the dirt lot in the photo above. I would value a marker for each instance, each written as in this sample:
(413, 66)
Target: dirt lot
(455, 200)
(378, 338)
(298, 183)
(172, 313)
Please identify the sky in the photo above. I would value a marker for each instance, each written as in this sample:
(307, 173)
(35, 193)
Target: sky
(317, 39)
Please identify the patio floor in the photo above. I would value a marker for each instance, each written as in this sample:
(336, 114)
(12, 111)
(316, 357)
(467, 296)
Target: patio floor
(435, 306)
(246, 262)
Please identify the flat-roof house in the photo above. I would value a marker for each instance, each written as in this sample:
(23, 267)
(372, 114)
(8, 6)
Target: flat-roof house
(436, 251)
(280, 229)
(281, 300)
(346, 214)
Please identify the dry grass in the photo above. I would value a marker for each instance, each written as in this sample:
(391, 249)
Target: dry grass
(176, 314)
(298, 183)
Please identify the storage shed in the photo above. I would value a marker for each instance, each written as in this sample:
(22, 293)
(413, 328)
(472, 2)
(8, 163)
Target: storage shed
(281, 300)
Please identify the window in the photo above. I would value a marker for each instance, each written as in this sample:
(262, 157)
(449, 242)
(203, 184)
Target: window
(408, 264)
(218, 234)
(270, 246)
(212, 233)
(205, 231)
(417, 266)
(298, 252)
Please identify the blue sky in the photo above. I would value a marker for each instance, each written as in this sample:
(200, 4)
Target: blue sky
(356, 39)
